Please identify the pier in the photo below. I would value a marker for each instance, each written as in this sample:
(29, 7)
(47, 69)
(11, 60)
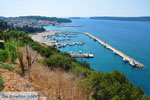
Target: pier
(69, 36)
(125, 57)
(82, 55)
(59, 45)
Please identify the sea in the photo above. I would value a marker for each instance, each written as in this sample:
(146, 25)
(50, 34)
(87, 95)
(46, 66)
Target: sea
(130, 37)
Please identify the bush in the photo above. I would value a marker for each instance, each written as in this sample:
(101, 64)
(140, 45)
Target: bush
(13, 56)
(1, 83)
(111, 86)
(3, 56)
(6, 66)
(12, 51)
(59, 60)
(80, 70)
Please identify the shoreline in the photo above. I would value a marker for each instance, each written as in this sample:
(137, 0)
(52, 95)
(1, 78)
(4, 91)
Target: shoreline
(40, 37)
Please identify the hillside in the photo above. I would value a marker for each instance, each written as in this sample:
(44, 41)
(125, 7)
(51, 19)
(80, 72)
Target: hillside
(53, 83)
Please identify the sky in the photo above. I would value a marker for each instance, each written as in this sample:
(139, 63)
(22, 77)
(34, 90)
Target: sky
(74, 8)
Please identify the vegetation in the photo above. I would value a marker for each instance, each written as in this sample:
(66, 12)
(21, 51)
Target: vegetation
(1, 83)
(12, 41)
(6, 66)
(4, 26)
(111, 86)
(59, 20)
(3, 56)
(30, 29)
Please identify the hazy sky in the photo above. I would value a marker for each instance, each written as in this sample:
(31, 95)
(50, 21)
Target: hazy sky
(67, 8)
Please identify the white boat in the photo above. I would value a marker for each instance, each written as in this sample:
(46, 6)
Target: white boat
(114, 52)
(132, 63)
(125, 60)
(80, 52)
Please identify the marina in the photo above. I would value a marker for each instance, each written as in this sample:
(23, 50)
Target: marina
(54, 43)
(125, 57)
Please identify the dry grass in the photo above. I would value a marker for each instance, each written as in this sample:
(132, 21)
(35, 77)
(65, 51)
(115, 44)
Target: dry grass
(56, 85)
(13, 82)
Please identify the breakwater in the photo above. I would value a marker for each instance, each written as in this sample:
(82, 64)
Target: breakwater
(125, 57)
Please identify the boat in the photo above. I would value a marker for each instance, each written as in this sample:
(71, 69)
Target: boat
(125, 60)
(114, 52)
(94, 39)
(80, 52)
(132, 63)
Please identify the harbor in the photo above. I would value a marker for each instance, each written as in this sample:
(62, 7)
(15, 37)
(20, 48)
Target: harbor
(53, 42)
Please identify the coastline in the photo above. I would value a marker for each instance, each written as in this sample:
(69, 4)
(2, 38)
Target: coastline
(41, 37)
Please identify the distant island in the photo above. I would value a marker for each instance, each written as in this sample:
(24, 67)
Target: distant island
(75, 17)
(59, 20)
(147, 18)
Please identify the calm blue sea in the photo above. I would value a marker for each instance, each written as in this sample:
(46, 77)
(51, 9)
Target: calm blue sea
(130, 37)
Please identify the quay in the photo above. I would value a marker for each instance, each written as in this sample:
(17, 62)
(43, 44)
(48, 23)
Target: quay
(69, 36)
(62, 39)
(82, 55)
(59, 45)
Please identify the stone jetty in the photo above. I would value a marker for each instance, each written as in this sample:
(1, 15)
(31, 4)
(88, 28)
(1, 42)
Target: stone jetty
(125, 57)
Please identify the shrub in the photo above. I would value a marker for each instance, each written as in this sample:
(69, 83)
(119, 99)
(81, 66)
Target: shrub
(13, 56)
(111, 86)
(3, 56)
(12, 51)
(78, 69)
(59, 60)
(1, 83)
(6, 66)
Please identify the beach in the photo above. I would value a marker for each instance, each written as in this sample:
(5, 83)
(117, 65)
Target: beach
(41, 37)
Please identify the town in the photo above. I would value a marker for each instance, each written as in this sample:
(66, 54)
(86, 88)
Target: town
(33, 21)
